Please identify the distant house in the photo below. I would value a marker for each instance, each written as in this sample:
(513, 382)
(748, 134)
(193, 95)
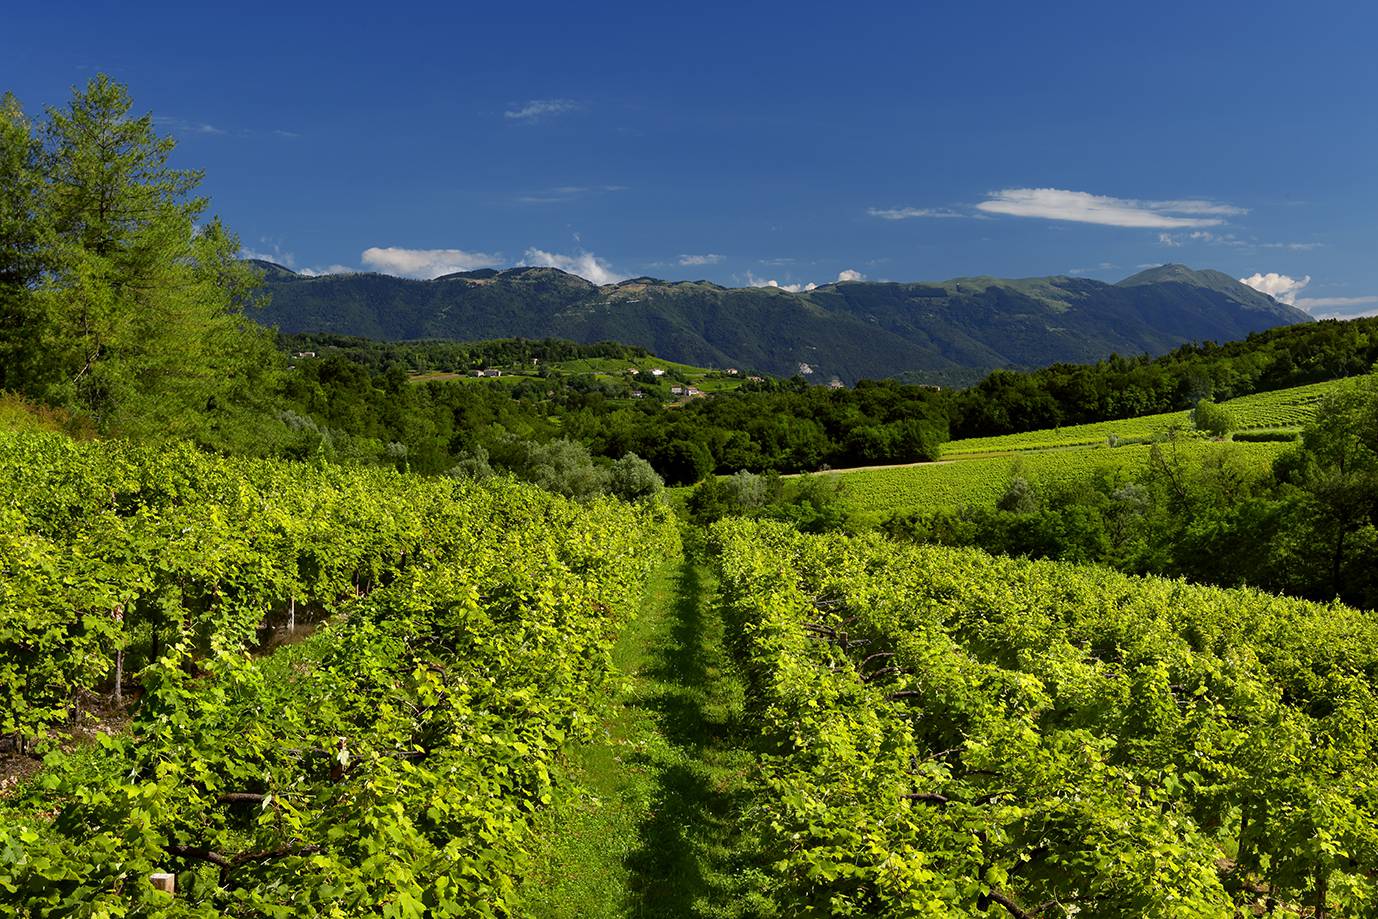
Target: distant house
(495, 373)
(755, 379)
(691, 391)
(638, 394)
(657, 372)
(805, 369)
(633, 371)
(731, 371)
(835, 383)
(476, 373)
(677, 391)
(305, 354)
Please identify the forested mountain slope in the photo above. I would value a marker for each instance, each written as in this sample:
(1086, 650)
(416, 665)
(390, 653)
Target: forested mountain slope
(949, 332)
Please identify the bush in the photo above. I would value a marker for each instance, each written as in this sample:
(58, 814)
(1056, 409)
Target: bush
(1212, 419)
(1260, 437)
(634, 479)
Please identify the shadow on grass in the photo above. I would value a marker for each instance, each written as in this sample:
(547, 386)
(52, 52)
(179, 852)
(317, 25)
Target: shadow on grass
(688, 839)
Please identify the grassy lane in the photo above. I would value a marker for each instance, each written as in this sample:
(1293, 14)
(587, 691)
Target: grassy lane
(656, 832)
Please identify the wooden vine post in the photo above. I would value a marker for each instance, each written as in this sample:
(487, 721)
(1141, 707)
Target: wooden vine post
(167, 883)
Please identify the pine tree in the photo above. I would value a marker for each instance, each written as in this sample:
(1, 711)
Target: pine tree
(140, 316)
(25, 239)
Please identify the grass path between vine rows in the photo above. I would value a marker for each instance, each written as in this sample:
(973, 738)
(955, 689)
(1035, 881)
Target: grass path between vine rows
(655, 833)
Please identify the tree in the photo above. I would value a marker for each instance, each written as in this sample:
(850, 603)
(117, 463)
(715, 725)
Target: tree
(1335, 472)
(135, 312)
(634, 479)
(25, 240)
(1213, 419)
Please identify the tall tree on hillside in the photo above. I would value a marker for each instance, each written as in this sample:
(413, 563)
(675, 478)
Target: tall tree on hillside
(140, 318)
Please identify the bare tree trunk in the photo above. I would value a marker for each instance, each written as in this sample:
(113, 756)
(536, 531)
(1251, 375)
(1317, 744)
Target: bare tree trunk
(119, 656)
(119, 676)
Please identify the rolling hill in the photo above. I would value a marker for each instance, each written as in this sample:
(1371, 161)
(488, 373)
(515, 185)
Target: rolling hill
(949, 332)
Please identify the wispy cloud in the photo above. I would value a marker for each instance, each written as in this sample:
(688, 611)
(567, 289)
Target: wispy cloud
(850, 274)
(562, 193)
(426, 263)
(275, 254)
(711, 258)
(186, 125)
(585, 264)
(1280, 287)
(1339, 307)
(910, 213)
(1103, 266)
(1103, 210)
(1293, 247)
(1208, 237)
(536, 109)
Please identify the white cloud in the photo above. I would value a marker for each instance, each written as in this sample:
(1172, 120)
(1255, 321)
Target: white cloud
(276, 256)
(792, 288)
(1278, 286)
(1084, 207)
(586, 265)
(328, 269)
(712, 258)
(426, 263)
(850, 274)
(542, 108)
(1338, 307)
(909, 213)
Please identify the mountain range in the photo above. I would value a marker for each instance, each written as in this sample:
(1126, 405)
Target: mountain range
(950, 332)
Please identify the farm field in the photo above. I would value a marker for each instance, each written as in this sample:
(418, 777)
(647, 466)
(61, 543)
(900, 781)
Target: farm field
(1281, 409)
(871, 495)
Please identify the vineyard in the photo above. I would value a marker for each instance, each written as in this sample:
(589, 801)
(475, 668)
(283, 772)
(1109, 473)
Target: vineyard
(389, 764)
(874, 494)
(1284, 408)
(947, 733)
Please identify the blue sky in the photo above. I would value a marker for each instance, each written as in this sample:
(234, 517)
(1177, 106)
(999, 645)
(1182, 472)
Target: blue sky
(753, 142)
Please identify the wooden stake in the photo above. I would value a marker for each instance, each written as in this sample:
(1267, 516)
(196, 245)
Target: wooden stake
(167, 883)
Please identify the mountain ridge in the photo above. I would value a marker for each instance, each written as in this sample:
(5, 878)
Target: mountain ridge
(946, 332)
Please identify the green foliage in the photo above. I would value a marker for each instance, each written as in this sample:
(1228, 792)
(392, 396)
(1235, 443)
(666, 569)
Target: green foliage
(633, 479)
(947, 733)
(1067, 395)
(1212, 419)
(392, 763)
(119, 299)
(1303, 524)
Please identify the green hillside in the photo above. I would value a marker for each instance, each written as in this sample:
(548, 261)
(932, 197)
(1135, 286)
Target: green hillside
(945, 333)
